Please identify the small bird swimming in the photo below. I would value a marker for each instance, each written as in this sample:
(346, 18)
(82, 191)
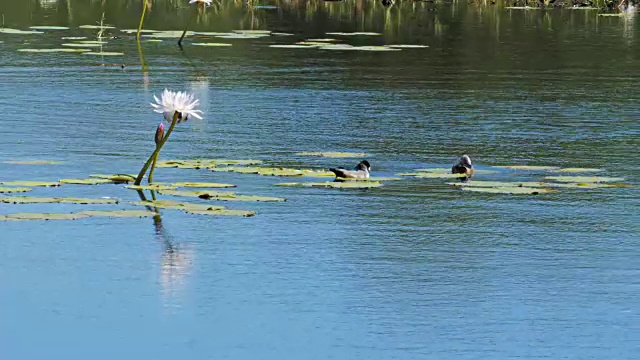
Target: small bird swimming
(463, 167)
(361, 172)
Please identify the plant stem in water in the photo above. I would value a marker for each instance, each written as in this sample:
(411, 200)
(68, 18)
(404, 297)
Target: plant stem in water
(184, 32)
(157, 150)
(144, 10)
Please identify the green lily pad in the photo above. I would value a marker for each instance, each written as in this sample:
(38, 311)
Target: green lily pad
(432, 175)
(314, 43)
(43, 216)
(117, 178)
(375, 48)
(81, 45)
(323, 40)
(142, 31)
(46, 27)
(513, 190)
(33, 162)
(19, 32)
(30, 183)
(242, 36)
(9, 190)
(224, 212)
(478, 183)
(220, 195)
(529, 167)
(118, 213)
(205, 163)
(371, 179)
(448, 171)
(85, 181)
(584, 179)
(253, 32)
(585, 185)
(73, 37)
(212, 44)
(211, 33)
(203, 185)
(354, 33)
(98, 27)
(339, 47)
(154, 40)
(50, 200)
(291, 46)
(155, 187)
(175, 205)
(106, 53)
(330, 154)
(281, 34)
(578, 170)
(61, 50)
(335, 185)
(407, 46)
(168, 34)
(613, 15)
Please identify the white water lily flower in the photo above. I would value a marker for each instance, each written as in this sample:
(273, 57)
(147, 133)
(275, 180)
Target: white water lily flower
(172, 101)
(205, 2)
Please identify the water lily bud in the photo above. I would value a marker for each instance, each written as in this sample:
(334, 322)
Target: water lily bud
(159, 133)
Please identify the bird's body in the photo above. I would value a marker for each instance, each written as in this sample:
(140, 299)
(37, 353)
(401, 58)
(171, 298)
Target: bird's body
(463, 166)
(361, 171)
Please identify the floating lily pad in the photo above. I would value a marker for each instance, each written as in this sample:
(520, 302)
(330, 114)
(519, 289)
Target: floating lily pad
(212, 44)
(63, 50)
(30, 183)
(50, 200)
(375, 48)
(330, 154)
(175, 205)
(43, 216)
(408, 46)
(168, 34)
(33, 162)
(612, 15)
(93, 181)
(448, 171)
(370, 179)
(509, 190)
(220, 195)
(335, 185)
(223, 212)
(73, 37)
(339, 47)
(242, 36)
(292, 46)
(96, 27)
(314, 43)
(212, 33)
(106, 53)
(202, 185)
(154, 40)
(432, 175)
(93, 42)
(204, 163)
(81, 45)
(498, 184)
(19, 32)
(253, 32)
(323, 40)
(578, 170)
(118, 213)
(354, 33)
(117, 178)
(43, 27)
(9, 190)
(282, 34)
(529, 167)
(150, 187)
(142, 31)
(584, 179)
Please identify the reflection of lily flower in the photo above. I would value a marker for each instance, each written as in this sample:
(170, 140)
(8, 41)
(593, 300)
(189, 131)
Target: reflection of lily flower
(202, 2)
(175, 267)
(181, 102)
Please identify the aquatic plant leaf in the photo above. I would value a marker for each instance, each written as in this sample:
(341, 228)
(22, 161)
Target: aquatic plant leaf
(528, 167)
(584, 179)
(585, 185)
(223, 212)
(168, 34)
(150, 187)
(323, 40)
(63, 50)
(339, 47)
(219, 195)
(202, 185)
(86, 201)
(432, 175)
(513, 190)
(578, 170)
(212, 44)
(371, 179)
(242, 36)
(354, 33)
(117, 178)
(73, 37)
(292, 46)
(334, 154)
(30, 183)
(176, 205)
(44, 216)
(19, 32)
(9, 190)
(335, 185)
(142, 31)
(448, 171)
(613, 15)
(118, 213)
(408, 46)
(97, 27)
(93, 181)
(253, 32)
(46, 27)
(256, 198)
(479, 183)
(81, 45)
(314, 43)
(93, 42)
(51, 200)
(33, 162)
(205, 163)
(375, 48)
(212, 33)
(106, 53)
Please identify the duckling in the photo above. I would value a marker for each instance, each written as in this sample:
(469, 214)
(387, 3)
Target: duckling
(361, 172)
(463, 167)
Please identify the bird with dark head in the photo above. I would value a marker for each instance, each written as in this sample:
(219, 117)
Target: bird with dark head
(361, 171)
(463, 166)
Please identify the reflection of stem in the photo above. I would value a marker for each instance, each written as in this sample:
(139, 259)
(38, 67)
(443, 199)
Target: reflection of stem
(144, 10)
(153, 167)
(184, 32)
(157, 150)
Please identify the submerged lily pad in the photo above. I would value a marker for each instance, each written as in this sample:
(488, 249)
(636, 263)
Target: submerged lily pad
(578, 170)
(118, 213)
(202, 185)
(30, 183)
(85, 181)
(50, 200)
(335, 185)
(46, 27)
(106, 53)
(513, 190)
(33, 162)
(9, 190)
(43, 216)
(584, 179)
(529, 167)
(223, 212)
(212, 44)
(330, 154)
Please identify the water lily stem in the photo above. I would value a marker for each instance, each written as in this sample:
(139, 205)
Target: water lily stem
(155, 153)
(144, 10)
(153, 166)
(184, 32)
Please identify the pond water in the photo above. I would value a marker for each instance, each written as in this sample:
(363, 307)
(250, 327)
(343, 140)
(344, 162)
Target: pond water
(415, 269)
